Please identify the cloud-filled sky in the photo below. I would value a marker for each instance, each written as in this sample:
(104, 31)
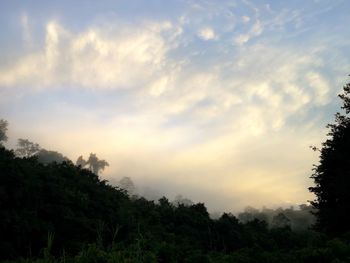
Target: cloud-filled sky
(216, 100)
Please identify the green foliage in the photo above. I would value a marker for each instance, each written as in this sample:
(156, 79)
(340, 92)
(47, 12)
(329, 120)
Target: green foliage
(59, 198)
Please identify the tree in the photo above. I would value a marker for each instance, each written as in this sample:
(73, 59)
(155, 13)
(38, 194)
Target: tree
(332, 174)
(80, 161)
(26, 148)
(3, 130)
(94, 164)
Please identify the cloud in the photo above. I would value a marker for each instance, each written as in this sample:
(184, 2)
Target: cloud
(27, 36)
(245, 19)
(207, 33)
(242, 39)
(320, 86)
(100, 57)
(254, 31)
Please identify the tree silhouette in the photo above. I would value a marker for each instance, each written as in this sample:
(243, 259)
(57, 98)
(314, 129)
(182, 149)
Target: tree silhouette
(94, 164)
(332, 174)
(3, 129)
(26, 148)
(80, 161)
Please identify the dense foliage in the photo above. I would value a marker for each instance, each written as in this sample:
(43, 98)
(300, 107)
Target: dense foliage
(61, 212)
(332, 174)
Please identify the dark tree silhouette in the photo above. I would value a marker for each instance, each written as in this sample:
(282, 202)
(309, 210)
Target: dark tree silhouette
(80, 161)
(332, 174)
(3, 129)
(93, 163)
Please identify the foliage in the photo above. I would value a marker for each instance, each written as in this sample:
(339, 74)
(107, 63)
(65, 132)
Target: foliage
(332, 174)
(93, 163)
(26, 148)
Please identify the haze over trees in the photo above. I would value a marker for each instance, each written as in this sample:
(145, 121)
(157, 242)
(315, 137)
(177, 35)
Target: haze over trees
(128, 185)
(27, 149)
(3, 129)
(297, 219)
(55, 211)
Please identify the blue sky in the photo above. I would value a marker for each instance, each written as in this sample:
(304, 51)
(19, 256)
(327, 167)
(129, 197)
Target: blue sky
(217, 101)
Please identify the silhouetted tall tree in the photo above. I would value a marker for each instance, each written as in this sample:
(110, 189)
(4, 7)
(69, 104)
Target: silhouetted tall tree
(80, 161)
(332, 174)
(3, 129)
(94, 164)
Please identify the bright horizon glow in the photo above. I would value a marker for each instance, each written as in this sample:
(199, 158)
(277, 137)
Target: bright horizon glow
(218, 103)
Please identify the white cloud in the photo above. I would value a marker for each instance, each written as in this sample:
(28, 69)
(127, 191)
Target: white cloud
(207, 33)
(27, 36)
(159, 86)
(242, 39)
(320, 86)
(245, 19)
(95, 58)
(257, 28)
(254, 31)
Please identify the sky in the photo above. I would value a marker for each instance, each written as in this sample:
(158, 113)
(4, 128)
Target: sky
(218, 101)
